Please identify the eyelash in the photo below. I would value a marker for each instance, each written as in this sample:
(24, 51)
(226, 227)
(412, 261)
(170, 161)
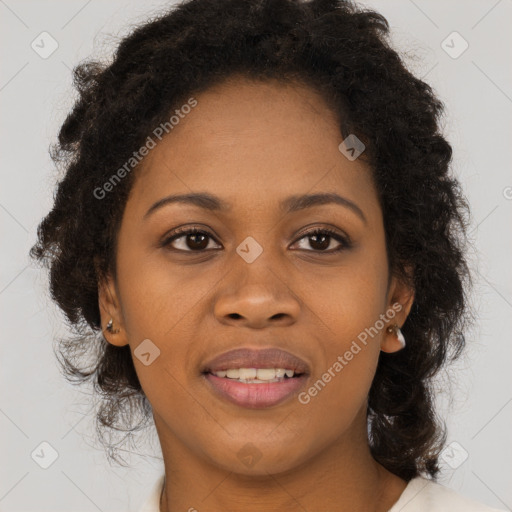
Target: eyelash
(344, 241)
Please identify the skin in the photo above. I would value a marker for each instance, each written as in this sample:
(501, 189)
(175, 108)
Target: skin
(254, 144)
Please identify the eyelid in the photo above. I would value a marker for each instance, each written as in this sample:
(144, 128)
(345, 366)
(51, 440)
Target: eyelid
(312, 228)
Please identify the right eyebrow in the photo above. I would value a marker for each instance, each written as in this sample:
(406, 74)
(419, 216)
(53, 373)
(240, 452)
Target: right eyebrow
(201, 200)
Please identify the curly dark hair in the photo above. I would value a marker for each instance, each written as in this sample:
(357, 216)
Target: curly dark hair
(340, 50)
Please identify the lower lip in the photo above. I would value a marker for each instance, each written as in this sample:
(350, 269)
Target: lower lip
(256, 396)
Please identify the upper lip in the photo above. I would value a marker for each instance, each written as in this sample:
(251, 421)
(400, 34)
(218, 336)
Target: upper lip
(256, 358)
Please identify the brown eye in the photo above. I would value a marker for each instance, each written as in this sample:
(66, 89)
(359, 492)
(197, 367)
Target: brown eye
(321, 239)
(190, 240)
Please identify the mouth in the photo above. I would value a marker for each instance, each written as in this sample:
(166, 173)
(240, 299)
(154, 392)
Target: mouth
(256, 379)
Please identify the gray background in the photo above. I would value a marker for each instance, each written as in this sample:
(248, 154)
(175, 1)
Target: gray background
(37, 405)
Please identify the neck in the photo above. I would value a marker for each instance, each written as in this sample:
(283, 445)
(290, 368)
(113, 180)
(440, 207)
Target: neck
(343, 476)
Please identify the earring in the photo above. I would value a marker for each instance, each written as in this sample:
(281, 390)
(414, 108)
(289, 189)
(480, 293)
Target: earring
(110, 327)
(398, 333)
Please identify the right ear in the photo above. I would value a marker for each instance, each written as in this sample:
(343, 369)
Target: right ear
(109, 304)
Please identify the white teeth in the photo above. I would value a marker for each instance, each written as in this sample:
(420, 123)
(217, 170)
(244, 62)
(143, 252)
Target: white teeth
(266, 374)
(260, 374)
(247, 373)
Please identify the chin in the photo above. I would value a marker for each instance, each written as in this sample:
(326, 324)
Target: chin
(249, 460)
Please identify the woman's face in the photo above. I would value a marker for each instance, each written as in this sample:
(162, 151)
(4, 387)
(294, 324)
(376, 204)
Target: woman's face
(253, 278)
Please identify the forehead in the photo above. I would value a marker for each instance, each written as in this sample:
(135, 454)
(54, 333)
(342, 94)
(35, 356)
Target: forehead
(253, 143)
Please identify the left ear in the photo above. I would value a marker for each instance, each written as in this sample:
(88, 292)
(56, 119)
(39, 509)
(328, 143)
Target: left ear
(400, 300)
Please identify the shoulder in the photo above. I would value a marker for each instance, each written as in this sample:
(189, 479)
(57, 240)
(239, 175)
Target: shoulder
(152, 500)
(423, 495)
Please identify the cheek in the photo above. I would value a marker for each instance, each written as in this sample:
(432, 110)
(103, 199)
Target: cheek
(161, 303)
(155, 294)
(337, 393)
(351, 297)
(349, 306)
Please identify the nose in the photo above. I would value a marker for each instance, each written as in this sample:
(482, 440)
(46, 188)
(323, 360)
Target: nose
(258, 305)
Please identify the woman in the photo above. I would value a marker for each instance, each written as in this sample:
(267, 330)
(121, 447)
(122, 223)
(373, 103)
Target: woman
(257, 215)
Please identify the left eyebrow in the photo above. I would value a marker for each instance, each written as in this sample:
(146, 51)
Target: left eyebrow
(296, 203)
(291, 204)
